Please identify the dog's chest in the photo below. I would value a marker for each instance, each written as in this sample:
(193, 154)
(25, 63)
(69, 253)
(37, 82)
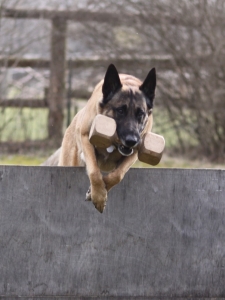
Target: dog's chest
(107, 161)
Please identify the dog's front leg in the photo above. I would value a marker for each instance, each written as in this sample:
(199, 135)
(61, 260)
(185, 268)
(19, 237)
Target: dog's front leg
(117, 175)
(98, 190)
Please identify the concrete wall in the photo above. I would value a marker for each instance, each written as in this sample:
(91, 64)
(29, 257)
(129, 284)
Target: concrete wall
(162, 235)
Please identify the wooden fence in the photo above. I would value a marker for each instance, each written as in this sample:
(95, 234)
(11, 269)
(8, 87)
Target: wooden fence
(54, 99)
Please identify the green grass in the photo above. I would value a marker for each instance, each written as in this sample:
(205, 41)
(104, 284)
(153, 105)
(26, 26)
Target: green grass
(163, 126)
(20, 160)
(31, 124)
(19, 124)
(166, 162)
(181, 162)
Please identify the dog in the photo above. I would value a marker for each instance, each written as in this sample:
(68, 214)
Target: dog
(129, 102)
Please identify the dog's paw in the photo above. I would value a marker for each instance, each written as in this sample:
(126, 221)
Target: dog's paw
(88, 195)
(99, 199)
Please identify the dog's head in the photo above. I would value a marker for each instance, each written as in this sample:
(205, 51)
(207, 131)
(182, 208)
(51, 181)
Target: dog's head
(129, 102)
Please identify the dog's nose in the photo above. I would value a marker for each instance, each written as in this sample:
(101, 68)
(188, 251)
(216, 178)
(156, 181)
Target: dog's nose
(131, 140)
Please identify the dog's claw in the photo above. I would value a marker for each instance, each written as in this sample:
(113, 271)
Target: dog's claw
(100, 208)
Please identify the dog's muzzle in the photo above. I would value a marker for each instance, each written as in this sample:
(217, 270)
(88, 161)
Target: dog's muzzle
(125, 147)
(130, 142)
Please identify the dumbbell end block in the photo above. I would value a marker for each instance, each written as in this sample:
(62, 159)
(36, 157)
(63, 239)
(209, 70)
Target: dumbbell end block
(102, 131)
(151, 149)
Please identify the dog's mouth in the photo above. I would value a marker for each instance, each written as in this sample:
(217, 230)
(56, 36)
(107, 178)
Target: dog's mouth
(125, 151)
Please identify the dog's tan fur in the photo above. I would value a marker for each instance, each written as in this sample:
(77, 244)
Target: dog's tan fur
(104, 169)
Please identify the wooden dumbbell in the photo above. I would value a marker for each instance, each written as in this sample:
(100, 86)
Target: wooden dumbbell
(103, 134)
(151, 149)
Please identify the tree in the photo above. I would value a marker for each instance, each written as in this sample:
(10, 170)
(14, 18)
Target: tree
(193, 91)
(189, 33)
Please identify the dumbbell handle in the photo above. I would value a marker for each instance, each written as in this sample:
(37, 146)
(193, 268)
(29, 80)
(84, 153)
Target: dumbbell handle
(103, 135)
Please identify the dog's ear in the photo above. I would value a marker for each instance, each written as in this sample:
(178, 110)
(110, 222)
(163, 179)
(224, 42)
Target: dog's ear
(148, 88)
(111, 83)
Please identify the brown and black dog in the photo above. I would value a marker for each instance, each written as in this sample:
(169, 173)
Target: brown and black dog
(129, 102)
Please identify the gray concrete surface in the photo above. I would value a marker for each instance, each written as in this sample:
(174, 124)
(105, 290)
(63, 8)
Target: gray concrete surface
(162, 235)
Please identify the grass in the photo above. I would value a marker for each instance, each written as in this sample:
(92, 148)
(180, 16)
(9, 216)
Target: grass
(181, 162)
(162, 125)
(17, 124)
(166, 162)
(28, 160)
(20, 124)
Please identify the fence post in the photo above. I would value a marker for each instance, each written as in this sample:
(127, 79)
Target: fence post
(57, 79)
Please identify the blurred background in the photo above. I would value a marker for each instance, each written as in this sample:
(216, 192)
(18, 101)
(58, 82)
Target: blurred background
(53, 53)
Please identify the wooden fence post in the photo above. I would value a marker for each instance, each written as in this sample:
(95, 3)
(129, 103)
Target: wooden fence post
(57, 79)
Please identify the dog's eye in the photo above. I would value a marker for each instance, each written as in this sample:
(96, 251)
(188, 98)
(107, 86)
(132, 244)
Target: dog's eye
(140, 113)
(121, 110)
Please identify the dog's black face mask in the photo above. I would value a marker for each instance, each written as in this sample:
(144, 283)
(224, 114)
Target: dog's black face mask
(129, 107)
